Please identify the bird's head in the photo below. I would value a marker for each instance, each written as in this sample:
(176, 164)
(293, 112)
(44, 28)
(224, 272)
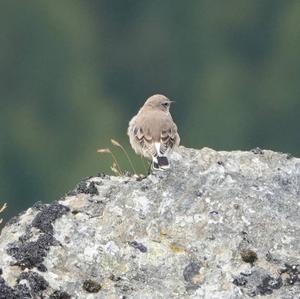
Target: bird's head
(159, 102)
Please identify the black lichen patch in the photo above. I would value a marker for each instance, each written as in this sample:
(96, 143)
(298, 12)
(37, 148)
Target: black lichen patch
(22, 291)
(190, 271)
(101, 175)
(139, 246)
(270, 258)
(144, 188)
(42, 268)
(38, 205)
(115, 278)
(85, 187)
(27, 235)
(213, 213)
(257, 151)
(248, 256)
(31, 254)
(49, 213)
(6, 292)
(91, 286)
(293, 273)
(269, 284)
(60, 295)
(37, 282)
(199, 193)
(88, 188)
(258, 282)
(239, 281)
(192, 276)
(19, 292)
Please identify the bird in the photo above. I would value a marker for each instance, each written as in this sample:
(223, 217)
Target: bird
(153, 133)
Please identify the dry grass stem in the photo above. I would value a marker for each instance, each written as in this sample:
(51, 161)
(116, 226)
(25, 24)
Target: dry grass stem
(103, 150)
(116, 165)
(1, 210)
(115, 170)
(116, 143)
(3, 207)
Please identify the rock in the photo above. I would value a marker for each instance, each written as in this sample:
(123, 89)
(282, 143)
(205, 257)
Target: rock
(216, 225)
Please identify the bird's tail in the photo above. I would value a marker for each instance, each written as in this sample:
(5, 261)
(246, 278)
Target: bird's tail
(160, 160)
(160, 163)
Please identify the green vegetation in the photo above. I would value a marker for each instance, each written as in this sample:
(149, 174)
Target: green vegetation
(73, 73)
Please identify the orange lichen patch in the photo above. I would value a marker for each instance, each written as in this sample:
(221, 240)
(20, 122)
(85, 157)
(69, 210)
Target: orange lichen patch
(163, 232)
(176, 248)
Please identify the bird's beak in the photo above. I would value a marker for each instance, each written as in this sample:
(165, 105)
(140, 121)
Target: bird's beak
(172, 101)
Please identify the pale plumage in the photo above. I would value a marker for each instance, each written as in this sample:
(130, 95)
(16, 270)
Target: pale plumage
(152, 132)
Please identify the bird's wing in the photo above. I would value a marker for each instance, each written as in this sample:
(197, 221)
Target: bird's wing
(145, 138)
(169, 138)
(140, 138)
(152, 136)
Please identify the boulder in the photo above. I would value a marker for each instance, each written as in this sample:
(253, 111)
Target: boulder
(216, 225)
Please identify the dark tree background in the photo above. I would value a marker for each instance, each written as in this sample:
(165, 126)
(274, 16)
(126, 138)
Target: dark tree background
(73, 72)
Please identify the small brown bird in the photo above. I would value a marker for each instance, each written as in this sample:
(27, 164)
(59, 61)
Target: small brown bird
(153, 133)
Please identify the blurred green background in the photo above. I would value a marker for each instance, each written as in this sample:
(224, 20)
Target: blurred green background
(73, 72)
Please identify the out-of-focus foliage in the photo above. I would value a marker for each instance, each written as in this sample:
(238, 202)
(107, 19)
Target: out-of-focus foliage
(73, 72)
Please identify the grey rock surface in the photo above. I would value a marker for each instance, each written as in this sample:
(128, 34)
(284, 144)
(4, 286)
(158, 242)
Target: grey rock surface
(217, 225)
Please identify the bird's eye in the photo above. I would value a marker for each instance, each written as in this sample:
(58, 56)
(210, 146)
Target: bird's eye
(165, 104)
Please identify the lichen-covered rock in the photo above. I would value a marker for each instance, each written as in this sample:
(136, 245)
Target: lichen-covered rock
(216, 225)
